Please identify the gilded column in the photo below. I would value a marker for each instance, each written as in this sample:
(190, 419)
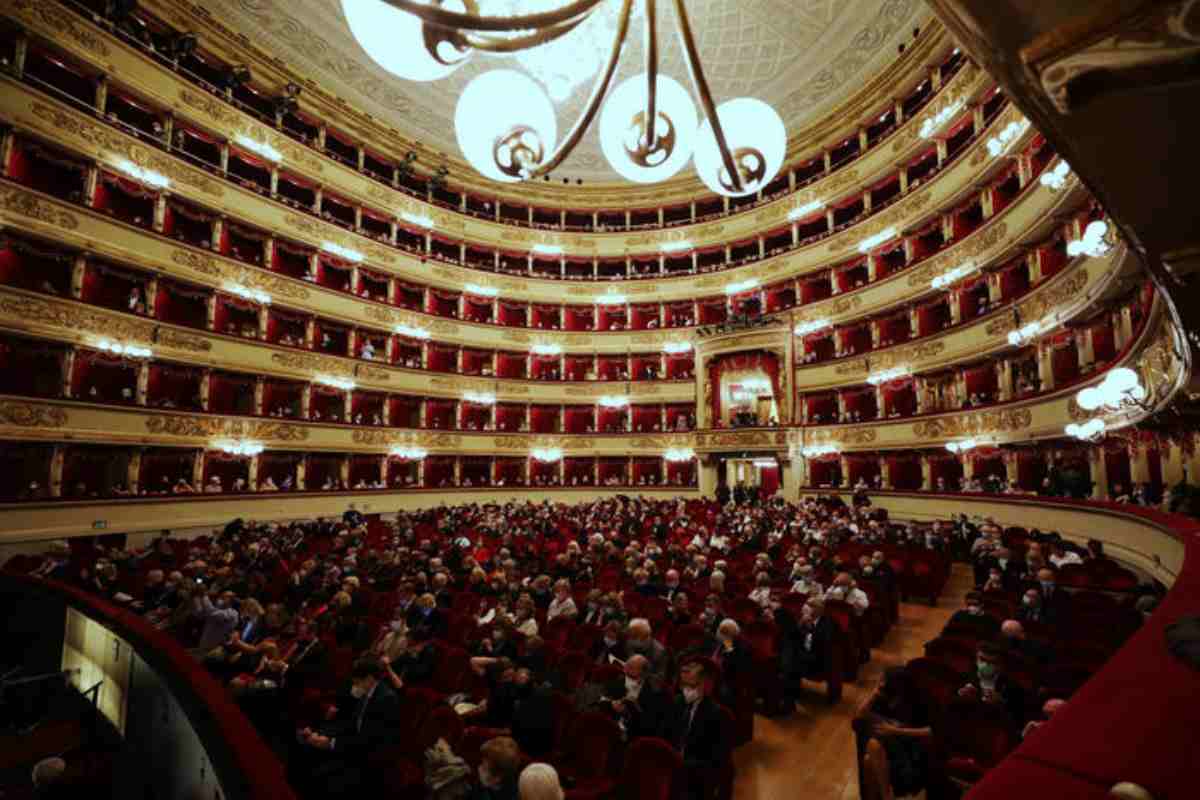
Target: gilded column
(143, 382)
(306, 401)
(301, 474)
(259, 394)
(1098, 472)
(926, 474)
(252, 474)
(57, 457)
(885, 472)
(205, 389)
(78, 268)
(133, 471)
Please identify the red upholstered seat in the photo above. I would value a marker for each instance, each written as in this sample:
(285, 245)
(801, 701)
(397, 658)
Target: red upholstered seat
(588, 756)
(651, 772)
(973, 737)
(574, 666)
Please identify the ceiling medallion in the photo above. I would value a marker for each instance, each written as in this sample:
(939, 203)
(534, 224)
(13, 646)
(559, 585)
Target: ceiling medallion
(505, 121)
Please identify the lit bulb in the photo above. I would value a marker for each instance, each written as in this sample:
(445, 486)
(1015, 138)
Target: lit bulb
(622, 128)
(1089, 399)
(1122, 379)
(757, 140)
(397, 40)
(505, 125)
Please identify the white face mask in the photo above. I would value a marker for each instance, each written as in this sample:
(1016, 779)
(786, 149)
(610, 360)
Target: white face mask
(397, 626)
(632, 686)
(690, 695)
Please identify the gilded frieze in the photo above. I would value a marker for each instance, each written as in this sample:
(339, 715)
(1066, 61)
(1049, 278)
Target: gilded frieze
(374, 438)
(60, 122)
(1045, 303)
(78, 319)
(741, 439)
(329, 232)
(31, 415)
(544, 442)
(314, 363)
(847, 436)
(196, 427)
(971, 248)
(27, 204)
(980, 422)
(235, 122)
(169, 337)
(669, 442)
(885, 219)
(51, 17)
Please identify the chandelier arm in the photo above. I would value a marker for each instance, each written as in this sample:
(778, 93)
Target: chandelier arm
(499, 44)
(696, 70)
(651, 47)
(599, 89)
(453, 20)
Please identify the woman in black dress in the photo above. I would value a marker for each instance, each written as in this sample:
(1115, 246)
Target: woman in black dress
(894, 730)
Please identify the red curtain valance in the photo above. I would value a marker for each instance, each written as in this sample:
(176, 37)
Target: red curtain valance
(289, 316)
(187, 212)
(239, 303)
(128, 187)
(255, 236)
(191, 294)
(204, 137)
(442, 295)
(116, 272)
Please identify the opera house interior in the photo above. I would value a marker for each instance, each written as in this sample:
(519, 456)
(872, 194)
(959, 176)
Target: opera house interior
(599, 399)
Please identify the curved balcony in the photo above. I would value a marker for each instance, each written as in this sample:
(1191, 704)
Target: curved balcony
(323, 154)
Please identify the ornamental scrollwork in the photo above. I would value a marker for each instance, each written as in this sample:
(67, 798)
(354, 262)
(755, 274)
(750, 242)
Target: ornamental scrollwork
(112, 142)
(27, 204)
(207, 427)
(31, 415)
(411, 438)
(302, 361)
(1054, 297)
(80, 320)
(1001, 421)
(971, 248)
(61, 22)
(182, 341)
(880, 222)
(198, 262)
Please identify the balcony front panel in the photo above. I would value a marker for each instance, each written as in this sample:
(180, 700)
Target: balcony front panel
(112, 56)
(54, 121)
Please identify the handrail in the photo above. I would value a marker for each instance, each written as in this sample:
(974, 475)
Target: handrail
(248, 769)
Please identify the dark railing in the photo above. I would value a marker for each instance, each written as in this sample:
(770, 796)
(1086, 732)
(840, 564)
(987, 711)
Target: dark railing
(246, 767)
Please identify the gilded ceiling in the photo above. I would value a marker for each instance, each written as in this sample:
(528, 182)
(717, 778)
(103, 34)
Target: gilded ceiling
(801, 56)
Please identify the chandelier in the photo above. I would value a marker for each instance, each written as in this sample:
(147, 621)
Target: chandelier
(505, 121)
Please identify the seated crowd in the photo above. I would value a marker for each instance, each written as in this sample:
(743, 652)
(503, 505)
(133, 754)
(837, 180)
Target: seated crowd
(601, 644)
(1044, 615)
(521, 630)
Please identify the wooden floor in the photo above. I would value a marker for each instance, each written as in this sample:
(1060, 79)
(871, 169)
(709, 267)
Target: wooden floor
(811, 753)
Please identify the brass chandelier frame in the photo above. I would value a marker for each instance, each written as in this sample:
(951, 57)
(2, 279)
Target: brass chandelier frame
(518, 153)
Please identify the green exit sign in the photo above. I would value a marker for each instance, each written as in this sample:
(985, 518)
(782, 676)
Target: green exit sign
(99, 524)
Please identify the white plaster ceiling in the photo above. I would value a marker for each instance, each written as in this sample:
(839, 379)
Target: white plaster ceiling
(801, 56)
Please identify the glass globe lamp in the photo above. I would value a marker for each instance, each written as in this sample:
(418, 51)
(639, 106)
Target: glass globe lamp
(622, 130)
(757, 141)
(400, 43)
(505, 125)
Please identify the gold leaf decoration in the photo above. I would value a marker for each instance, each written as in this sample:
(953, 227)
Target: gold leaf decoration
(27, 204)
(972, 247)
(31, 415)
(313, 363)
(183, 341)
(435, 439)
(999, 421)
(887, 218)
(57, 19)
(76, 318)
(101, 137)
(199, 262)
(208, 427)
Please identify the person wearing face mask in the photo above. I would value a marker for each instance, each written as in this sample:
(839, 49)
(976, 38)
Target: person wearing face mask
(695, 727)
(608, 646)
(499, 765)
(670, 585)
(640, 641)
(845, 589)
(732, 655)
(972, 617)
(989, 684)
(1053, 596)
(1033, 610)
(333, 758)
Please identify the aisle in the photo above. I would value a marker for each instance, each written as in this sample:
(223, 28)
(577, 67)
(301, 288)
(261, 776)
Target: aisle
(811, 753)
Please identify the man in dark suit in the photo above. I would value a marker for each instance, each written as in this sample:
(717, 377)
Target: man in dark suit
(610, 644)
(696, 728)
(733, 657)
(670, 586)
(973, 617)
(1054, 597)
(639, 640)
(989, 684)
(365, 719)
(805, 645)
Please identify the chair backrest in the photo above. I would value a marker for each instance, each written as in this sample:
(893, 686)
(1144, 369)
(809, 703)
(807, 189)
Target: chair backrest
(592, 744)
(936, 682)
(982, 731)
(574, 666)
(442, 723)
(651, 767)
(956, 654)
